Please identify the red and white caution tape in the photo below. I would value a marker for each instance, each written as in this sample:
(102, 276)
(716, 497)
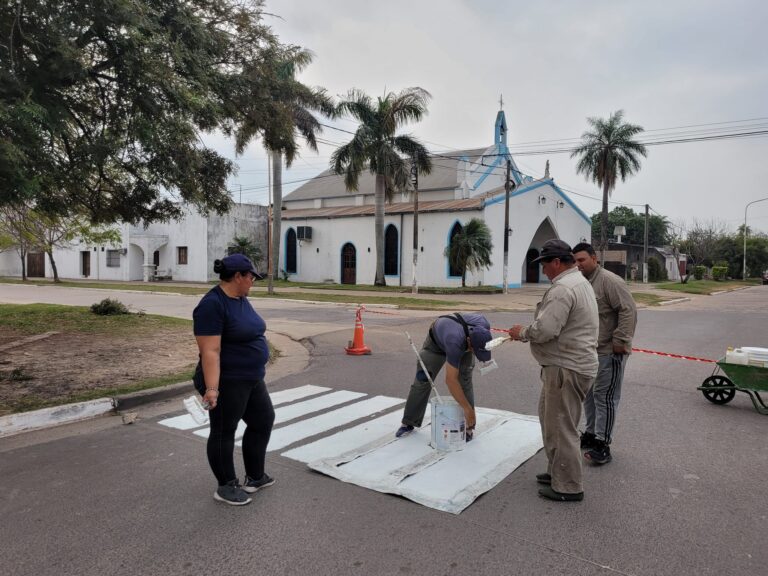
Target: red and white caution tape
(678, 356)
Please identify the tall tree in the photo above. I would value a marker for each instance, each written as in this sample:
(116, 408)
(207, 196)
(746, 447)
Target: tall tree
(46, 232)
(103, 104)
(658, 226)
(376, 146)
(13, 230)
(607, 152)
(294, 104)
(471, 248)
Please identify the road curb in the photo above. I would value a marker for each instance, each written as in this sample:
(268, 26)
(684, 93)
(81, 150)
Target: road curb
(13, 424)
(134, 399)
(675, 301)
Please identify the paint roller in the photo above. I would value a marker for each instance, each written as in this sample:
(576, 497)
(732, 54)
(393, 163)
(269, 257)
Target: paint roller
(424, 368)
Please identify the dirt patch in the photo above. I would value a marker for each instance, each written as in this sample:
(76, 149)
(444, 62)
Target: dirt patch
(67, 364)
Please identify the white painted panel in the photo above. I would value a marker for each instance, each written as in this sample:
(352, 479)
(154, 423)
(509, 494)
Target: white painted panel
(299, 409)
(292, 394)
(282, 437)
(448, 481)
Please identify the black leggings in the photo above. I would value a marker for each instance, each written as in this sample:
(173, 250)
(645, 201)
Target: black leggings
(248, 401)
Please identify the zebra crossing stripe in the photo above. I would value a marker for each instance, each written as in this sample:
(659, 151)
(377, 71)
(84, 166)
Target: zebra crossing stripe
(287, 435)
(293, 394)
(299, 409)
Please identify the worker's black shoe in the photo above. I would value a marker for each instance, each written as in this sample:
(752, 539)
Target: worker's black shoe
(544, 478)
(404, 430)
(550, 494)
(588, 440)
(599, 454)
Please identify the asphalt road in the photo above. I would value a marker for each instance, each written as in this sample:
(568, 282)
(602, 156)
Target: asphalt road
(685, 494)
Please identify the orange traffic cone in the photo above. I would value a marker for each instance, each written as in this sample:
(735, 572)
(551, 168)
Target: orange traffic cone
(357, 346)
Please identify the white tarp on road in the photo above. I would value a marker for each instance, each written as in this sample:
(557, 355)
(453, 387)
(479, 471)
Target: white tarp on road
(447, 481)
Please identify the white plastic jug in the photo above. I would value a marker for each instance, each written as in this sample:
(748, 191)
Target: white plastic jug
(448, 425)
(736, 356)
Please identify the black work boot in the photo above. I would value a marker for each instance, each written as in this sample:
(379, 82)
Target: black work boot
(600, 453)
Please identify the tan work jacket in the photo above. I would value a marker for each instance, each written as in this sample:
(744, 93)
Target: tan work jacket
(565, 325)
(616, 308)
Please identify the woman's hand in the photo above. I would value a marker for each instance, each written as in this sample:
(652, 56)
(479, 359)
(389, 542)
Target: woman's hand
(211, 397)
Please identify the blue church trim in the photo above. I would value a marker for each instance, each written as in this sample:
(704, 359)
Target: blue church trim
(532, 187)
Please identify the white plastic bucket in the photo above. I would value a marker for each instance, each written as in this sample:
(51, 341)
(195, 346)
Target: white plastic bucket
(448, 425)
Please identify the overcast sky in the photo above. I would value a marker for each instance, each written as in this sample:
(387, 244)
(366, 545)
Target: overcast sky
(670, 64)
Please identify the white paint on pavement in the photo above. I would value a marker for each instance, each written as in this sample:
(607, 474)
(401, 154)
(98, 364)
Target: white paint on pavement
(292, 394)
(299, 409)
(282, 437)
(448, 481)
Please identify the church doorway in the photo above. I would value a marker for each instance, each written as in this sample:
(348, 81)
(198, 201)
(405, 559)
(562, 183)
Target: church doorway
(531, 267)
(348, 264)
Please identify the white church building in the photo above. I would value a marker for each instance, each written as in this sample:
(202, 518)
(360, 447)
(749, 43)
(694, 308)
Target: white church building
(328, 232)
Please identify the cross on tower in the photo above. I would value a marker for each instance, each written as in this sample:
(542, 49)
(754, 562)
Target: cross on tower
(501, 102)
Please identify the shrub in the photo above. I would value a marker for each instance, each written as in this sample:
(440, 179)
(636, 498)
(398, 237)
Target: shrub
(109, 307)
(656, 272)
(699, 271)
(719, 272)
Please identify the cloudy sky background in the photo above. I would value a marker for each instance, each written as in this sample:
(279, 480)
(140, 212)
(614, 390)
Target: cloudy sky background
(677, 63)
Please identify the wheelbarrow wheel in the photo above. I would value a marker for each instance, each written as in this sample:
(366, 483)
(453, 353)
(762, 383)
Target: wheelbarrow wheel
(718, 394)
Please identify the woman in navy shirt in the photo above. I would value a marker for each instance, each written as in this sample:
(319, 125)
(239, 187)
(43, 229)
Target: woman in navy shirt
(233, 357)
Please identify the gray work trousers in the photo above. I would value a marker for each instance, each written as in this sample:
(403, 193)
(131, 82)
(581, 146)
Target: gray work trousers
(434, 358)
(602, 401)
(562, 394)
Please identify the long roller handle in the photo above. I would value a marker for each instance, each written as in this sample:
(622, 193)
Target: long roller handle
(424, 368)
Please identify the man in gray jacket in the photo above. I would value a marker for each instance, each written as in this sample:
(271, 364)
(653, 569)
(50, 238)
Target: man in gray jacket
(563, 339)
(618, 318)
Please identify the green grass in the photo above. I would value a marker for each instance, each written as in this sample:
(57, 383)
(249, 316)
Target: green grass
(647, 298)
(34, 402)
(319, 296)
(706, 287)
(39, 318)
(400, 302)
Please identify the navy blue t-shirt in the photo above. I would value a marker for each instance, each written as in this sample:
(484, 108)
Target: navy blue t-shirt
(244, 349)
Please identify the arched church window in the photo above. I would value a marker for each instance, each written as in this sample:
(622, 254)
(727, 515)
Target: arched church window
(453, 270)
(290, 251)
(390, 251)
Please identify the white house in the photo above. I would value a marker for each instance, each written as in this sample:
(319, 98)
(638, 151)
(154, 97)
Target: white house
(181, 250)
(328, 233)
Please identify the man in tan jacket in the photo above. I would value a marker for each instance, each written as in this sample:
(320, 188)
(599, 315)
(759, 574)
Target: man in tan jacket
(618, 318)
(563, 339)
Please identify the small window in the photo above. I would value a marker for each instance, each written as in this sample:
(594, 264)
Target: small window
(113, 258)
(181, 254)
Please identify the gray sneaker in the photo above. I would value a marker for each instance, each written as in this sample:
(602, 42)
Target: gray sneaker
(231, 493)
(250, 485)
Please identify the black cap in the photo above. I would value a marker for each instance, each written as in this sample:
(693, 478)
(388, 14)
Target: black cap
(553, 249)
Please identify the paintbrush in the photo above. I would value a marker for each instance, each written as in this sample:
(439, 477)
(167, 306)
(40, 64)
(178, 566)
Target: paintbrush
(496, 342)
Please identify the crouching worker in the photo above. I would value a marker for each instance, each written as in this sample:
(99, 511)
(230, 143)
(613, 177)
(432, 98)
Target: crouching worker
(455, 340)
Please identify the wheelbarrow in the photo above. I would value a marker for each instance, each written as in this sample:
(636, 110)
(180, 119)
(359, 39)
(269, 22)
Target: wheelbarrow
(720, 388)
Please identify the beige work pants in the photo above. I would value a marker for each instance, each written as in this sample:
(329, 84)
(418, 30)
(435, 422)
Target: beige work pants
(560, 406)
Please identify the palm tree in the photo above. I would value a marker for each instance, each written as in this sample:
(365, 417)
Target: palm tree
(377, 147)
(471, 248)
(292, 104)
(608, 151)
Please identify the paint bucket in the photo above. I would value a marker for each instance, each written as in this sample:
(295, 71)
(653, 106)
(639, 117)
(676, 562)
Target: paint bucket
(448, 425)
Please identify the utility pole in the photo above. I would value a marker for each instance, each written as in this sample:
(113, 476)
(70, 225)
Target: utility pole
(415, 181)
(270, 279)
(507, 188)
(645, 248)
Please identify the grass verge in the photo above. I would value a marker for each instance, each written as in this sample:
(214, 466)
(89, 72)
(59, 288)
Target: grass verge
(706, 287)
(647, 298)
(34, 402)
(39, 318)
